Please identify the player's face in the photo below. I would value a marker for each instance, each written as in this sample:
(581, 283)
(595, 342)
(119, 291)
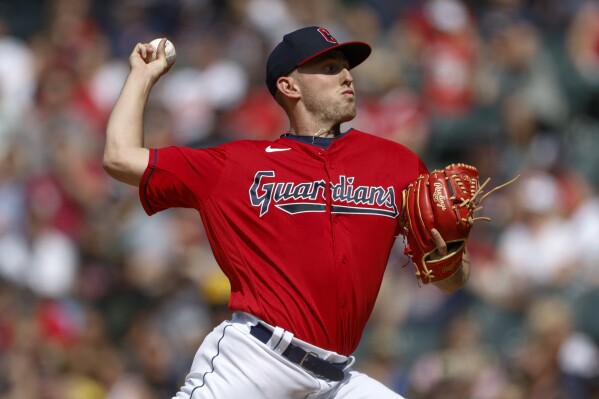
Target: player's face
(327, 88)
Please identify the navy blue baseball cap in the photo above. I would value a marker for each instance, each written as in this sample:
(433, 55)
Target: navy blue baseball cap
(302, 45)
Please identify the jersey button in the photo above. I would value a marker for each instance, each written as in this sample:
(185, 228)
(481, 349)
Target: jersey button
(344, 260)
(331, 166)
(321, 153)
(343, 303)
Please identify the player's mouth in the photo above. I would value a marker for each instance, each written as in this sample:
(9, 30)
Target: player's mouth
(348, 92)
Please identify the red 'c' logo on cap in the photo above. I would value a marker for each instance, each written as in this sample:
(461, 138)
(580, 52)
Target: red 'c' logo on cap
(327, 35)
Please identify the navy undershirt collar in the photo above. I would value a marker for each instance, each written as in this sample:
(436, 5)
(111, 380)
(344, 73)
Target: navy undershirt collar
(323, 142)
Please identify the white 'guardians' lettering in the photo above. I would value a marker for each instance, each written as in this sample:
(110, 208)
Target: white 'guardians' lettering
(310, 196)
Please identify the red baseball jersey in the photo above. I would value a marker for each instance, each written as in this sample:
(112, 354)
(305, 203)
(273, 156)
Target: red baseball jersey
(303, 233)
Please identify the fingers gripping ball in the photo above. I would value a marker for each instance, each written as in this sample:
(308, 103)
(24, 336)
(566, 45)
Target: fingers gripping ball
(169, 50)
(445, 200)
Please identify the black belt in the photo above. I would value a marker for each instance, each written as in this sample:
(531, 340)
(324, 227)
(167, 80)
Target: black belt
(307, 360)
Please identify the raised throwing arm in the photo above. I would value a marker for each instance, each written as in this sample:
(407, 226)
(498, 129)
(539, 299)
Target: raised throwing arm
(125, 157)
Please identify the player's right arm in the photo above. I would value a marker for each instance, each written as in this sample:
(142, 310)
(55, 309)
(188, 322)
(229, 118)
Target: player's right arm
(125, 157)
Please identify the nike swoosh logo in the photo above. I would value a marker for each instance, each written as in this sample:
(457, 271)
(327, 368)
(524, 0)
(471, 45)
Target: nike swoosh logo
(270, 149)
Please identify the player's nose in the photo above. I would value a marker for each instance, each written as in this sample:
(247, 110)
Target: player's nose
(346, 77)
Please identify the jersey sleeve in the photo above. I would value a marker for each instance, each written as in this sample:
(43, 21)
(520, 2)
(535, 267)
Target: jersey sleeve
(180, 177)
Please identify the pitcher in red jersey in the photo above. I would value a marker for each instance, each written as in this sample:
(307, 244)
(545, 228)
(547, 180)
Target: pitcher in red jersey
(302, 226)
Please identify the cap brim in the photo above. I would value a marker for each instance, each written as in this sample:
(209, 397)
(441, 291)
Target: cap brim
(356, 53)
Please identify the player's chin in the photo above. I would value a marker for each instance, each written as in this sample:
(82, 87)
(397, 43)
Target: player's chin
(348, 114)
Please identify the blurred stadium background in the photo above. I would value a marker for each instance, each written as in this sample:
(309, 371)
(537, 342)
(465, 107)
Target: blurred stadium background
(99, 301)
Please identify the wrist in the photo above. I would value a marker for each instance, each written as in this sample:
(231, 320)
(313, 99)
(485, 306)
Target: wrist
(141, 80)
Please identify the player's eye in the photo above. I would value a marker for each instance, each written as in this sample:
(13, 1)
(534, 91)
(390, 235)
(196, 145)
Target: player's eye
(332, 68)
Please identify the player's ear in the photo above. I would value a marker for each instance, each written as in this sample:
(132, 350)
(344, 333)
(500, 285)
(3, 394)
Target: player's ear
(288, 87)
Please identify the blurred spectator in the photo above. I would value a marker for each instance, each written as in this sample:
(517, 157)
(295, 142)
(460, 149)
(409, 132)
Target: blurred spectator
(448, 58)
(41, 257)
(17, 83)
(527, 83)
(461, 368)
(398, 116)
(256, 117)
(534, 251)
(273, 18)
(583, 42)
(194, 95)
(580, 206)
(556, 360)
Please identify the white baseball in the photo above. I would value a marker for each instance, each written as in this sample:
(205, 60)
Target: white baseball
(169, 49)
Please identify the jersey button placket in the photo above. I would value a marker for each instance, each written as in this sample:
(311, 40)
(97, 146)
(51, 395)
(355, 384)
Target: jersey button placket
(329, 165)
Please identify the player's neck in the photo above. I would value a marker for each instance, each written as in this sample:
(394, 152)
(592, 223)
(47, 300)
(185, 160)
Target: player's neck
(321, 132)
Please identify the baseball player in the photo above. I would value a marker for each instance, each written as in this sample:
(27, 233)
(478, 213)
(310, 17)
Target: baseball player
(302, 226)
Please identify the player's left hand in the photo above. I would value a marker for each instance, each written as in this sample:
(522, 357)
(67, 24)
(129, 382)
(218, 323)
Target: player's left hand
(440, 243)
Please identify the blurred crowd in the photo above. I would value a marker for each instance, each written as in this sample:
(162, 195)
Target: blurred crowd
(97, 300)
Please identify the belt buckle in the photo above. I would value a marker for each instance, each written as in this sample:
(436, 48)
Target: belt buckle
(301, 363)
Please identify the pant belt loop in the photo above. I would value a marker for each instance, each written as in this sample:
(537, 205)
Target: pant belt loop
(280, 340)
